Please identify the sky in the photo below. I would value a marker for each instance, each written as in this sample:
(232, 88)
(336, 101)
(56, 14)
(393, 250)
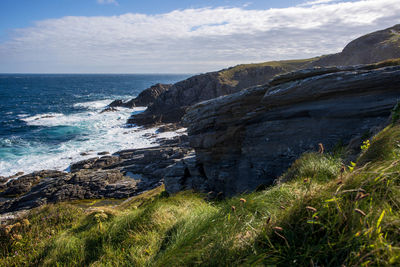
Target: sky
(178, 36)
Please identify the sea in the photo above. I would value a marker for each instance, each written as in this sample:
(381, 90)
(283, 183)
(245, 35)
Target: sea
(48, 121)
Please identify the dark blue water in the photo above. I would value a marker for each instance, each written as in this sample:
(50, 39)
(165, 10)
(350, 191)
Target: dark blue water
(48, 120)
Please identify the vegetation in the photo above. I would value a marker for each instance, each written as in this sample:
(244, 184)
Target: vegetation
(320, 214)
(285, 65)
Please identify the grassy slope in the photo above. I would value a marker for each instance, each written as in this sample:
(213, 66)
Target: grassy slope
(286, 65)
(319, 216)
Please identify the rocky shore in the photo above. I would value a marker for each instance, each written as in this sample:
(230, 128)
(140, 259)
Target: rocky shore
(121, 175)
(246, 125)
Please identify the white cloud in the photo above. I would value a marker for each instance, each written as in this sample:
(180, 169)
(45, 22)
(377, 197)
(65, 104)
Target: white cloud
(191, 40)
(317, 2)
(103, 2)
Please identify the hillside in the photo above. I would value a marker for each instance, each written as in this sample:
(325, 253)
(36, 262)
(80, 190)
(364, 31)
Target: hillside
(373, 47)
(320, 214)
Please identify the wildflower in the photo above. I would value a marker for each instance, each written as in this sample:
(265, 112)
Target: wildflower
(8, 229)
(25, 222)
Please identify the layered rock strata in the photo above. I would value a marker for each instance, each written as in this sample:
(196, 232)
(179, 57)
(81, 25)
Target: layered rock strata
(249, 138)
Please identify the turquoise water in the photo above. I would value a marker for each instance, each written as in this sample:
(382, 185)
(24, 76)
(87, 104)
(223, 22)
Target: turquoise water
(47, 121)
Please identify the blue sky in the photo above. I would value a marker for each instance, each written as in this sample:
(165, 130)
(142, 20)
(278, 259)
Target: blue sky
(21, 13)
(130, 36)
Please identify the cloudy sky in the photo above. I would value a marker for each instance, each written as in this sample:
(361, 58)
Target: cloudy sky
(186, 36)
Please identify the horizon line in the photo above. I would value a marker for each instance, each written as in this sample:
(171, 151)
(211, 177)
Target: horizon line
(88, 73)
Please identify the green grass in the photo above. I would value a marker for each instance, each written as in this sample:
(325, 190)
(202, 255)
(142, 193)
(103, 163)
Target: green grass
(286, 65)
(316, 215)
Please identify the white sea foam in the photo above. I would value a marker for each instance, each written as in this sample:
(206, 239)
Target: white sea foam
(22, 115)
(101, 132)
(94, 104)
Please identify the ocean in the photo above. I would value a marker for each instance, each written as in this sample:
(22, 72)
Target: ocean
(50, 121)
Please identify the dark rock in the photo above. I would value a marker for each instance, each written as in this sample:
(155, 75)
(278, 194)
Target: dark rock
(116, 103)
(83, 164)
(103, 153)
(148, 96)
(144, 99)
(80, 185)
(109, 109)
(249, 138)
(94, 163)
(171, 105)
(24, 183)
(170, 127)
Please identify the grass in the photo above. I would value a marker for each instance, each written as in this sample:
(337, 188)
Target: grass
(316, 215)
(286, 65)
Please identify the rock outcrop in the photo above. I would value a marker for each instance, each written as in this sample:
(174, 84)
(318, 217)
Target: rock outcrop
(144, 99)
(249, 138)
(45, 187)
(121, 175)
(171, 105)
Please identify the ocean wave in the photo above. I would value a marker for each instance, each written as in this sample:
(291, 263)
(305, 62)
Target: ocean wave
(100, 132)
(24, 115)
(86, 119)
(94, 105)
(112, 139)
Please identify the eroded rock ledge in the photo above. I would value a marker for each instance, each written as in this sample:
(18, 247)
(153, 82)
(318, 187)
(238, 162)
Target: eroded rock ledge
(249, 138)
(125, 173)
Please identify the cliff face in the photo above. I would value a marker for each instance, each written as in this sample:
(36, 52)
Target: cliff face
(249, 138)
(171, 105)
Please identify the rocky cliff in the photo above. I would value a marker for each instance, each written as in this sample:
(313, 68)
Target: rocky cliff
(370, 48)
(171, 105)
(144, 99)
(249, 138)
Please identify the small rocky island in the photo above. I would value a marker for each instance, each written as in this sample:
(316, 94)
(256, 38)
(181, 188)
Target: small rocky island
(245, 126)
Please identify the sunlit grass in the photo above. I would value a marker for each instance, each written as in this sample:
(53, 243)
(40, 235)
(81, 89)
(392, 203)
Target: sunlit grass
(317, 215)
